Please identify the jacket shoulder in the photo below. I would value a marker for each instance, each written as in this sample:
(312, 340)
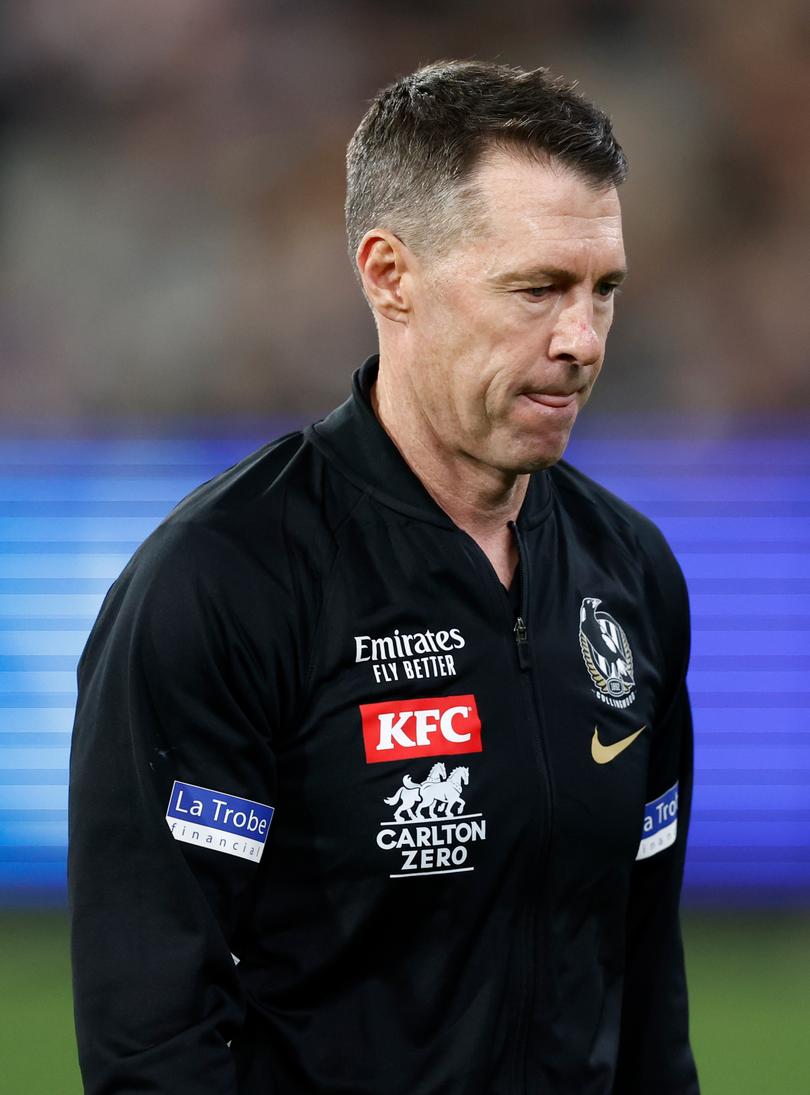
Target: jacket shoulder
(609, 520)
(610, 527)
(243, 551)
(278, 505)
(284, 482)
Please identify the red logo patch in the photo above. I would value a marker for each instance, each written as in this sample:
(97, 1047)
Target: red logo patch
(420, 728)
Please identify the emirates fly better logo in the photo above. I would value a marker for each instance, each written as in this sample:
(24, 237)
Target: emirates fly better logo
(400, 729)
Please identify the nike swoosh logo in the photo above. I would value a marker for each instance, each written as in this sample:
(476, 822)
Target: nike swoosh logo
(604, 754)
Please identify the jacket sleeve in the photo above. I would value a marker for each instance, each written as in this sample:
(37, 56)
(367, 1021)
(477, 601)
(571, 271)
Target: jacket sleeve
(172, 687)
(654, 1053)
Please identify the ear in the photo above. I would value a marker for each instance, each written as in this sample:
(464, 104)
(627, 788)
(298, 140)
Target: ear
(384, 261)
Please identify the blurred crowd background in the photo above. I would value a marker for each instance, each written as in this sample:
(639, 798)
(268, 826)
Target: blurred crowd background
(172, 186)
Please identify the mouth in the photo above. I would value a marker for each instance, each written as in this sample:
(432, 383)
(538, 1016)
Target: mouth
(557, 400)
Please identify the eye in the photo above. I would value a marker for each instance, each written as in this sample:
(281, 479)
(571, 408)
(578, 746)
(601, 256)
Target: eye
(538, 292)
(607, 289)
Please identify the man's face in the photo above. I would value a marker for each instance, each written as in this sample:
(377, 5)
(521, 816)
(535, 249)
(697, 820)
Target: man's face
(508, 329)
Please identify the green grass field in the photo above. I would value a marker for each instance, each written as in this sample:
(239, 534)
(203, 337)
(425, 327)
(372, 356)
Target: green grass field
(749, 981)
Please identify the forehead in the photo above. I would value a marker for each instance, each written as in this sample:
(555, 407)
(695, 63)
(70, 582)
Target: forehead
(536, 207)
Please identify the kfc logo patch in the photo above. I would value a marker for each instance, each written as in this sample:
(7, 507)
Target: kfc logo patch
(400, 729)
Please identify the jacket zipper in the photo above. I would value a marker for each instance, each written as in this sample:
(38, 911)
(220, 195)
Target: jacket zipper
(521, 633)
(522, 639)
(520, 630)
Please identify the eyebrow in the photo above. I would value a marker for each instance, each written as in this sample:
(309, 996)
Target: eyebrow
(555, 274)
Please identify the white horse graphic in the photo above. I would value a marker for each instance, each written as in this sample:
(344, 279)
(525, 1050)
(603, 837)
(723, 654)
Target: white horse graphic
(410, 792)
(446, 794)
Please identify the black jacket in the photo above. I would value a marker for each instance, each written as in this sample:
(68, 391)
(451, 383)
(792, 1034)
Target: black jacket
(390, 792)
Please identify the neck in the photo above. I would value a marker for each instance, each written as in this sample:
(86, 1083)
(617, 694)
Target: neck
(480, 499)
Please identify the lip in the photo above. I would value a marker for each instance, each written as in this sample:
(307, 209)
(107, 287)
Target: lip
(550, 399)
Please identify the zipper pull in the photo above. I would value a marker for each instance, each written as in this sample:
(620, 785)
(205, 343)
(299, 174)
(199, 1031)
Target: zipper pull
(522, 641)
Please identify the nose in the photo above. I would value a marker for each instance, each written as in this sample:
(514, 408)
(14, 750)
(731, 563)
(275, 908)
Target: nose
(574, 338)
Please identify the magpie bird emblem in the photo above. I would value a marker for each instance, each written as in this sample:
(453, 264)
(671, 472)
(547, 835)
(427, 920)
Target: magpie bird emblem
(605, 650)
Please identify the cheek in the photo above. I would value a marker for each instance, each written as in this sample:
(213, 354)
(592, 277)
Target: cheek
(594, 371)
(497, 398)
(604, 322)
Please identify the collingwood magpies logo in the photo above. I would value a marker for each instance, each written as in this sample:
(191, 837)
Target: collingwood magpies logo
(606, 653)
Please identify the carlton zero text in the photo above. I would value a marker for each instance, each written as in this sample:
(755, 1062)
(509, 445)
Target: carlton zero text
(436, 848)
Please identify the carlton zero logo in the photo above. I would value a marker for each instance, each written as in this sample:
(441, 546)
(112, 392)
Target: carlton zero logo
(431, 831)
(607, 654)
(401, 729)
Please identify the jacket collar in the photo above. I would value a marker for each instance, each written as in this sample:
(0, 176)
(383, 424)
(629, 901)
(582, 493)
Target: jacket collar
(352, 437)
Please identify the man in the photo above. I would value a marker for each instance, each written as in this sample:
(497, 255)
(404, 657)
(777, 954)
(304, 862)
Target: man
(394, 712)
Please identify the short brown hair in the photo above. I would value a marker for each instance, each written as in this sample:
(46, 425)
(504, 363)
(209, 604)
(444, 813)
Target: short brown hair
(412, 155)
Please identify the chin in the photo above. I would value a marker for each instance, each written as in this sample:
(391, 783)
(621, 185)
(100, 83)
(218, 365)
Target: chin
(537, 457)
(538, 464)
